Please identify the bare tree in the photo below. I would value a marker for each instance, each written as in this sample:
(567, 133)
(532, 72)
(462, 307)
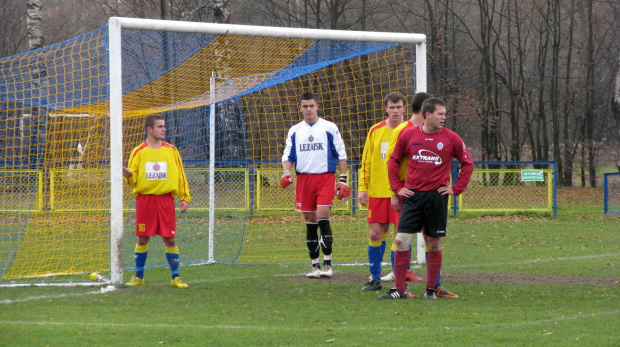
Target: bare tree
(13, 34)
(615, 106)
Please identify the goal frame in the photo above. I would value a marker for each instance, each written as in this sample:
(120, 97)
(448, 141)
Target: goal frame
(606, 188)
(115, 27)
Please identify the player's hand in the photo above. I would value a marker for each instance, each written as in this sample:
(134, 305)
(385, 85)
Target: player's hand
(443, 190)
(363, 198)
(405, 192)
(183, 205)
(343, 192)
(127, 173)
(396, 203)
(286, 179)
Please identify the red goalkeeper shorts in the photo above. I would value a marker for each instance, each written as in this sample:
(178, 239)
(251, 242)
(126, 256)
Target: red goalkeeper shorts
(155, 215)
(314, 190)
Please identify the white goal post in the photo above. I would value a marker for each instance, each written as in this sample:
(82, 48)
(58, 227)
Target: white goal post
(117, 25)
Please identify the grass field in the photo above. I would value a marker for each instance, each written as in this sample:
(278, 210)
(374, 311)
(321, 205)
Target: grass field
(523, 280)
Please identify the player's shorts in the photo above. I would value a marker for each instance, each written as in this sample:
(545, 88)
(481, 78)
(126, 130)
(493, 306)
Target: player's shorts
(155, 215)
(314, 190)
(380, 211)
(424, 209)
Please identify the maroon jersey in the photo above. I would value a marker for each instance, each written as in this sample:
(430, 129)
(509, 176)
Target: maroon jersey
(429, 157)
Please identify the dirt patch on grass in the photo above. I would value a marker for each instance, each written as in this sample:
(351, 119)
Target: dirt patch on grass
(479, 278)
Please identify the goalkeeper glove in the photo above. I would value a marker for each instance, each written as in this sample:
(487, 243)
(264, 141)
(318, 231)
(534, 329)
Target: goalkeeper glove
(343, 192)
(286, 179)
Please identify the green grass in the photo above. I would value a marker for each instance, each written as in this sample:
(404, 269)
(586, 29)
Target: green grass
(573, 301)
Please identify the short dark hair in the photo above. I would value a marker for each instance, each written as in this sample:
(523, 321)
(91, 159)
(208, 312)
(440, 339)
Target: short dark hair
(394, 97)
(308, 96)
(418, 100)
(430, 104)
(149, 121)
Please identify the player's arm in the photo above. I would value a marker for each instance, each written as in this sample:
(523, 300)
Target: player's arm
(403, 166)
(183, 185)
(132, 170)
(288, 158)
(343, 191)
(364, 172)
(393, 166)
(396, 157)
(461, 153)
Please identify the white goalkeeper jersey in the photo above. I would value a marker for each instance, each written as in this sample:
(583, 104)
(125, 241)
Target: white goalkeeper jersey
(314, 148)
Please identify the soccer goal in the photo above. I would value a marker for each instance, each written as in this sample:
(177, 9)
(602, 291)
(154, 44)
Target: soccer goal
(71, 113)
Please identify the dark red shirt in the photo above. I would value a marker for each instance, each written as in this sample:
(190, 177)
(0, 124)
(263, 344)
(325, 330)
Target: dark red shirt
(429, 157)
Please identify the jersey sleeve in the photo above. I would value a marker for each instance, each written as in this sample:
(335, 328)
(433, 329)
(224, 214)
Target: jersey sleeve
(364, 172)
(338, 142)
(134, 166)
(183, 185)
(461, 153)
(392, 144)
(395, 161)
(289, 149)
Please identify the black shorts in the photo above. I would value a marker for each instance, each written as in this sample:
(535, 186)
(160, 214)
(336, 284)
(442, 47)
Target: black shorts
(424, 209)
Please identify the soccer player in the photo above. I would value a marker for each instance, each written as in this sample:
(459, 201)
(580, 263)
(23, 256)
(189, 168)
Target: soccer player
(416, 120)
(375, 191)
(155, 171)
(315, 147)
(429, 149)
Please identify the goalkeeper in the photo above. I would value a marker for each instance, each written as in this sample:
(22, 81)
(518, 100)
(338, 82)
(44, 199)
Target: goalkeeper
(315, 146)
(155, 172)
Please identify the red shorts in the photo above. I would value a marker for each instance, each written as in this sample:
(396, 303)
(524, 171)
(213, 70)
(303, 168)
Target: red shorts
(380, 211)
(314, 190)
(155, 215)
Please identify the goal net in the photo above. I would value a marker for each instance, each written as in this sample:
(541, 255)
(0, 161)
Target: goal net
(611, 193)
(71, 113)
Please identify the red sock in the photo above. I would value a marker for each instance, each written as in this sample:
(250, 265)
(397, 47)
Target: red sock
(401, 260)
(433, 266)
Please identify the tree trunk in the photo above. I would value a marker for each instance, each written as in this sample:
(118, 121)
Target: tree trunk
(567, 179)
(35, 24)
(555, 81)
(615, 107)
(589, 111)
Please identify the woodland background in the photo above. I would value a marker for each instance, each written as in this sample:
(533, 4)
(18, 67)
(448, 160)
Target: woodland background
(524, 80)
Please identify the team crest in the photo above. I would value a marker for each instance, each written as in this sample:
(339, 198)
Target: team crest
(156, 167)
(440, 146)
(311, 138)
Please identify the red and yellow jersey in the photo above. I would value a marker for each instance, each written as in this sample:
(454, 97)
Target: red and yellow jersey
(158, 172)
(373, 171)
